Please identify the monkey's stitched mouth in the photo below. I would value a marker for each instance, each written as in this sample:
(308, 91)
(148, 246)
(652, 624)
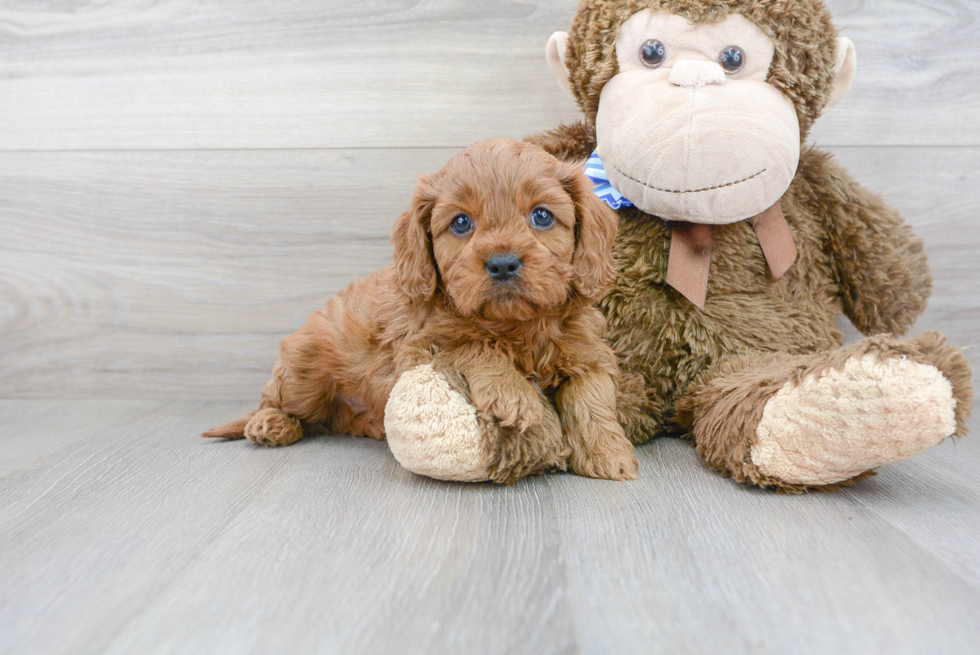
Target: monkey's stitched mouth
(707, 188)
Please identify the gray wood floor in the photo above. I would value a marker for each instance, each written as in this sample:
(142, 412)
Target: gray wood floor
(182, 182)
(121, 531)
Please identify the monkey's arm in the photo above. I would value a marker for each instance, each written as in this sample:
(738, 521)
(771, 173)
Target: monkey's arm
(569, 143)
(879, 264)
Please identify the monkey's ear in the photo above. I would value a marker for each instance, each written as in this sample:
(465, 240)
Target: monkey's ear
(595, 230)
(557, 47)
(415, 269)
(846, 68)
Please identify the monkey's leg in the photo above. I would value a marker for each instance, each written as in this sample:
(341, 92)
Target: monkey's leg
(434, 430)
(640, 409)
(821, 420)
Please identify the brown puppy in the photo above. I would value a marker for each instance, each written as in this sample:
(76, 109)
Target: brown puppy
(497, 265)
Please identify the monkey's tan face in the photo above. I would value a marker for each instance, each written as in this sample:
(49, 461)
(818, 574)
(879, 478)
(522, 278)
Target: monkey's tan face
(689, 129)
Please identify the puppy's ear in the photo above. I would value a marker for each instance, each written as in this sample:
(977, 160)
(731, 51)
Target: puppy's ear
(595, 231)
(415, 267)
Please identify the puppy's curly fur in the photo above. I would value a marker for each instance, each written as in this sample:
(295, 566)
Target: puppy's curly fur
(518, 344)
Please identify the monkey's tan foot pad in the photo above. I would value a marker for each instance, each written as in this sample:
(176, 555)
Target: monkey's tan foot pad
(836, 424)
(273, 427)
(433, 430)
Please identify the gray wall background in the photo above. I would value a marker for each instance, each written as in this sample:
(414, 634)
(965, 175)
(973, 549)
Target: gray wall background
(182, 182)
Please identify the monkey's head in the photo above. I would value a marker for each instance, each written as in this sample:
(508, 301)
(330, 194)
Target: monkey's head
(700, 106)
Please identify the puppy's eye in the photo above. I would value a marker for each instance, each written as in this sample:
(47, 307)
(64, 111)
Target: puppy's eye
(542, 219)
(461, 225)
(732, 59)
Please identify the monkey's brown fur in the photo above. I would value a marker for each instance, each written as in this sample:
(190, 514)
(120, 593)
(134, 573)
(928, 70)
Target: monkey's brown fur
(711, 371)
(437, 304)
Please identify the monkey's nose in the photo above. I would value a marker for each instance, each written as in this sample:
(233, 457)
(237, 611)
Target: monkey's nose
(503, 266)
(696, 73)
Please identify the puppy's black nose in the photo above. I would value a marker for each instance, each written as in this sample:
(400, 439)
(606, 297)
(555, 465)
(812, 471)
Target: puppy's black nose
(503, 266)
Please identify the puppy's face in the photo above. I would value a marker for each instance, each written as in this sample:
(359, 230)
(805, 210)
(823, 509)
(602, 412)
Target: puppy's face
(503, 235)
(512, 231)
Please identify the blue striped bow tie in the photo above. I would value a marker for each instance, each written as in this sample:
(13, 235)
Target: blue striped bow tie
(690, 243)
(596, 172)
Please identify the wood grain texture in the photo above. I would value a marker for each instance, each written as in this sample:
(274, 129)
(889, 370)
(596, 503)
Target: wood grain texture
(121, 531)
(174, 274)
(169, 267)
(185, 74)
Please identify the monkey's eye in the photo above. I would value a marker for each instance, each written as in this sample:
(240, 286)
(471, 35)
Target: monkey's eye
(541, 218)
(732, 59)
(653, 53)
(461, 225)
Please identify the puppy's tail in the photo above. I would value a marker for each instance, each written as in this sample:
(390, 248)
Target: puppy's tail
(231, 430)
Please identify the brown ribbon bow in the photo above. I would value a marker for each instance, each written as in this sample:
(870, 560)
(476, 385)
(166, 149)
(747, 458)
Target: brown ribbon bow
(690, 252)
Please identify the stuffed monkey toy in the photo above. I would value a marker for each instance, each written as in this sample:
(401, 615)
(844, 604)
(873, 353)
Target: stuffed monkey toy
(738, 248)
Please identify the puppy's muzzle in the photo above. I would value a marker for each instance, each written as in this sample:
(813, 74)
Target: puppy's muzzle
(503, 267)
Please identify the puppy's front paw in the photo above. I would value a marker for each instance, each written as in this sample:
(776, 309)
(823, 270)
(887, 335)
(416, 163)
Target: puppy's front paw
(516, 407)
(611, 458)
